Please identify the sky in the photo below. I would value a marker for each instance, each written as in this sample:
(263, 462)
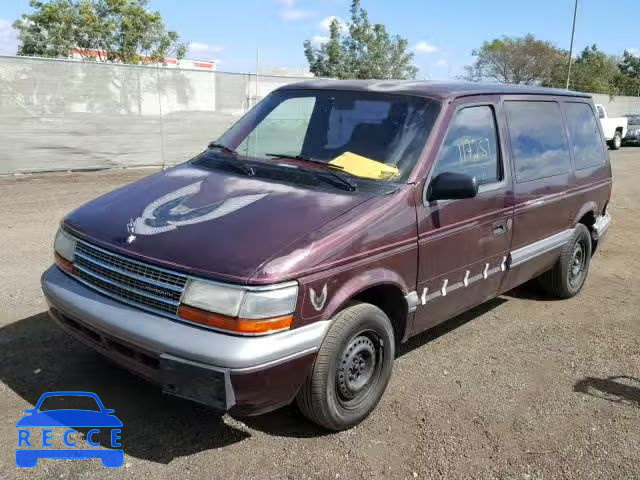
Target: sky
(441, 33)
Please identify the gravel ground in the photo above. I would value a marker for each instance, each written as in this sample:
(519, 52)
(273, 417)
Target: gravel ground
(522, 387)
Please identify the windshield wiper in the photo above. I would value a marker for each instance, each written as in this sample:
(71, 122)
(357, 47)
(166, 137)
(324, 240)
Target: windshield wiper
(236, 162)
(327, 167)
(222, 147)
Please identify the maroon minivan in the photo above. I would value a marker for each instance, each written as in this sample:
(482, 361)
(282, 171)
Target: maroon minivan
(328, 225)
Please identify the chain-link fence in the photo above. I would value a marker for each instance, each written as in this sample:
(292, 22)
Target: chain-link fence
(62, 114)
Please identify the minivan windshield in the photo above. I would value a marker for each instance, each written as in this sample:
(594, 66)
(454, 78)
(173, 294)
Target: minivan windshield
(362, 135)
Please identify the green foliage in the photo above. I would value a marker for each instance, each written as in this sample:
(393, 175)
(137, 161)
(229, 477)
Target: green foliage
(597, 72)
(360, 50)
(593, 71)
(529, 61)
(117, 30)
(524, 60)
(628, 81)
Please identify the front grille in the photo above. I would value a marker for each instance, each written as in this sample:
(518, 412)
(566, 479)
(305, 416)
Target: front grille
(128, 280)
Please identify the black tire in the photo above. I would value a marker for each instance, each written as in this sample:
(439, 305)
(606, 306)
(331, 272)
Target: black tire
(343, 363)
(616, 141)
(568, 275)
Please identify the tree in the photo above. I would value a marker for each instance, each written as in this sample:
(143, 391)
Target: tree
(593, 71)
(105, 30)
(522, 60)
(360, 50)
(628, 81)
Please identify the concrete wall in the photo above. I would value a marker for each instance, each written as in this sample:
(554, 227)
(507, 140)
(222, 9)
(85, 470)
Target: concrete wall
(618, 106)
(60, 115)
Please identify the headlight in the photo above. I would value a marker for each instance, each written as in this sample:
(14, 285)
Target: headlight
(64, 247)
(269, 303)
(245, 310)
(213, 297)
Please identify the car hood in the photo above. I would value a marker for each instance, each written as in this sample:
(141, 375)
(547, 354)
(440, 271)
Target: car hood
(69, 418)
(206, 223)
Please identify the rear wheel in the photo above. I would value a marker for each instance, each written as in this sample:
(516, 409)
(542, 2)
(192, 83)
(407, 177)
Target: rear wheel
(352, 368)
(616, 141)
(568, 275)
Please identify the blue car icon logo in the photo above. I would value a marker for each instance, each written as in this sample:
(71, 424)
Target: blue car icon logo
(40, 428)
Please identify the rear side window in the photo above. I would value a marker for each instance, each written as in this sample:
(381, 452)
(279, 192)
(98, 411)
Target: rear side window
(538, 140)
(470, 146)
(584, 136)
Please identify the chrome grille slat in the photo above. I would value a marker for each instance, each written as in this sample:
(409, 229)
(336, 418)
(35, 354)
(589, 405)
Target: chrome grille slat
(100, 265)
(133, 291)
(130, 281)
(133, 266)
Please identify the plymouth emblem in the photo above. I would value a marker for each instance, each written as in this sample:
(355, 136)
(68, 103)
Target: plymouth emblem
(172, 211)
(131, 228)
(318, 301)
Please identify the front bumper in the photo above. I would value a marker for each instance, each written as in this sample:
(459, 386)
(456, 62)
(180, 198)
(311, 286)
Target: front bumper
(248, 375)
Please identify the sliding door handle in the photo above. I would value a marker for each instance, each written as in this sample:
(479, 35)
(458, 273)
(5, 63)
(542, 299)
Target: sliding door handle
(500, 228)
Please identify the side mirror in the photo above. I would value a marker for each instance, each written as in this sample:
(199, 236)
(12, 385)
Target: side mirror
(452, 186)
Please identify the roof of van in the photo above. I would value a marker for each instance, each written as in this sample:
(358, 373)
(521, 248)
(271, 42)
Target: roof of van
(433, 89)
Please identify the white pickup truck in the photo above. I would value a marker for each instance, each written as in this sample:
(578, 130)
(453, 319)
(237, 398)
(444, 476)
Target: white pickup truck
(614, 128)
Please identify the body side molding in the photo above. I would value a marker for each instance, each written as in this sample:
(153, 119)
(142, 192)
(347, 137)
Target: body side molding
(528, 252)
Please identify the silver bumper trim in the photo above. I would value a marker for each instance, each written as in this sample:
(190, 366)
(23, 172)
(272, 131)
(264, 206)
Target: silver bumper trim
(165, 336)
(601, 226)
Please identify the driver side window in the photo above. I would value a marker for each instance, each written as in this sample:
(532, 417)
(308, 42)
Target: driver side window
(470, 146)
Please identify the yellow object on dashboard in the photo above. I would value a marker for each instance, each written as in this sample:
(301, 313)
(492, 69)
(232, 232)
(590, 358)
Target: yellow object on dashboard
(365, 167)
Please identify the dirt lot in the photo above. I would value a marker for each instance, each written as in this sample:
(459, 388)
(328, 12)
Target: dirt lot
(521, 388)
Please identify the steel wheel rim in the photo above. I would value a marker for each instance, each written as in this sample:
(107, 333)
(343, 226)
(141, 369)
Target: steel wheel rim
(578, 264)
(359, 368)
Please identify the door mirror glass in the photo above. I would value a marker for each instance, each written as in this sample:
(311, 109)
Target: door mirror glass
(452, 186)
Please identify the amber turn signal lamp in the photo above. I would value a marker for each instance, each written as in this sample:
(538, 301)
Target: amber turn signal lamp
(235, 325)
(63, 263)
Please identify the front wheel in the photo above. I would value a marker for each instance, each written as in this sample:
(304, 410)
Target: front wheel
(616, 141)
(352, 368)
(569, 273)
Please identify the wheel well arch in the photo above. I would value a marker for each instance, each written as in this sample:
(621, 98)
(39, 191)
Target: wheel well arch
(619, 130)
(586, 215)
(588, 219)
(391, 300)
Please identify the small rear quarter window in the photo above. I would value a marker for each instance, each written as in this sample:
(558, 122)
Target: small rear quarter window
(584, 136)
(538, 140)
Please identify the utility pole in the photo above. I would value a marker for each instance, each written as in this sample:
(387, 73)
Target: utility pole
(573, 32)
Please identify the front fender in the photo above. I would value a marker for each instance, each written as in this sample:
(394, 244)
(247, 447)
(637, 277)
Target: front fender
(340, 289)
